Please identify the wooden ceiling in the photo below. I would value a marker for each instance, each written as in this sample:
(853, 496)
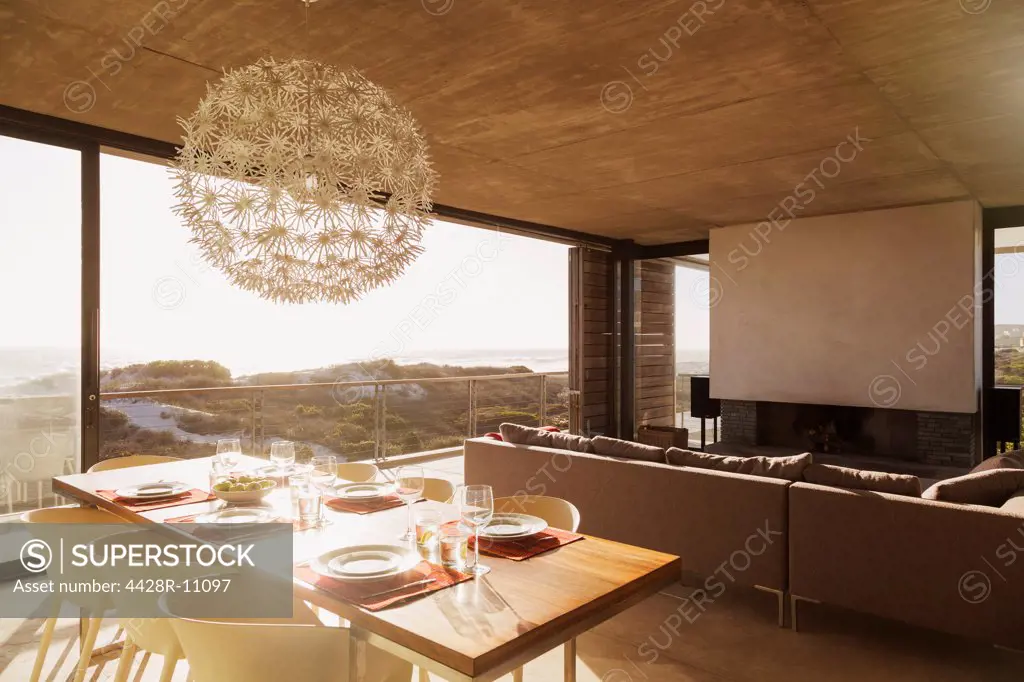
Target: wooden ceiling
(746, 100)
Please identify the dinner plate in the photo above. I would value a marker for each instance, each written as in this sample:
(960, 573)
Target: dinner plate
(237, 515)
(368, 490)
(504, 526)
(365, 562)
(149, 491)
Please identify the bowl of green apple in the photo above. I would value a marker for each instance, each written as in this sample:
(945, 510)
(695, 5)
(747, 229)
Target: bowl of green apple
(243, 489)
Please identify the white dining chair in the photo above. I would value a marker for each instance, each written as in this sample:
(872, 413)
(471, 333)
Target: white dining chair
(300, 648)
(357, 472)
(438, 489)
(130, 461)
(91, 603)
(558, 513)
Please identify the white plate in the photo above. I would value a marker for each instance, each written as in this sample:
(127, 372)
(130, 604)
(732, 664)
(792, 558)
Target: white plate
(369, 490)
(512, 527)
(365, 562)
(237, 515)
(152, 491)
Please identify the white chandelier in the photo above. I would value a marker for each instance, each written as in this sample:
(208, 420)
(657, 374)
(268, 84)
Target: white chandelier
(303, 182)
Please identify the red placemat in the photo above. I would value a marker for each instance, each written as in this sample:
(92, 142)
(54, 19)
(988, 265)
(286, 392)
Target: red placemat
(517, 550)
(365, 507)
(191, 497)
(362, 593)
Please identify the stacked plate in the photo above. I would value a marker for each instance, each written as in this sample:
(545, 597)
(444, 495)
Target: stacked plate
(237, 515)
(363, 492)
(365, 562)
(508, 527)
(153, 491)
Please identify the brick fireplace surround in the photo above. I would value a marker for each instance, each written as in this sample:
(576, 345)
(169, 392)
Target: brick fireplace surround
(934, 438)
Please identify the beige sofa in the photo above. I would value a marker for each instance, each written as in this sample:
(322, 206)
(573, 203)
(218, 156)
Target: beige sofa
(950, 567)
(727, 528)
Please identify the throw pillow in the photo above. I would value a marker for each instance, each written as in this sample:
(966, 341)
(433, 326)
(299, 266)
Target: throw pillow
(990, 488)
(493, 436)
(998, 462)
(788, 468)
(859, 479)
(613, 447)
(527, 435)
(1015, 505)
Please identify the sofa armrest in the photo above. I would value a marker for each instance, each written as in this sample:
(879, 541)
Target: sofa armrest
(956, 568)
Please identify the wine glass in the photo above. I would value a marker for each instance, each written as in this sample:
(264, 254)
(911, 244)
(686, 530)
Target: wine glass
(476, 506)
(282, 454)
(229, 451)
(323, 471)
(409, 487)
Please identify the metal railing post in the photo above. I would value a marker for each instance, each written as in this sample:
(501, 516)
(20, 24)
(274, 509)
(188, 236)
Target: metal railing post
(376, 422)
(472, 408)
(384, 423)
(543, 399)
(258, 429)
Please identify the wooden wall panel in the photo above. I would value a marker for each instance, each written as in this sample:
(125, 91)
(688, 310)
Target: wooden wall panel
(591, 345)
(655, 343)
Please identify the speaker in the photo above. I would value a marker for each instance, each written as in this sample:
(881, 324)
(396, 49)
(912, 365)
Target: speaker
(1005, 413)
(702, 405)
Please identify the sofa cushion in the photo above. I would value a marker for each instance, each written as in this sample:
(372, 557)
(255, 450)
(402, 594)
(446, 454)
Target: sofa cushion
(788, 468)
(527, 435)
(990, 488)
(859, 479)
(998, 462)
(1015, 505)
(613, 447)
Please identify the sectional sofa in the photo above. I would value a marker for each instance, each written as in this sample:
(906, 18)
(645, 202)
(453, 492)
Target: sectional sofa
(948, 566)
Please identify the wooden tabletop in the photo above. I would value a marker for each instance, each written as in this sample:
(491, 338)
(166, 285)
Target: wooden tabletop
(481, 628)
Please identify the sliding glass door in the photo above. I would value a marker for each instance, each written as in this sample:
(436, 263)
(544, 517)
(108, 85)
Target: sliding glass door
(40, 320)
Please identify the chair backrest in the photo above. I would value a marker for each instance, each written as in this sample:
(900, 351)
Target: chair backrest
(438, 489)
(131, 461)
(557, 512)
(70, 515)
(273, 650)
(357, 472)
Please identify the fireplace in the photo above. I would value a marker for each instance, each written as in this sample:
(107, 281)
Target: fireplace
(939, 438)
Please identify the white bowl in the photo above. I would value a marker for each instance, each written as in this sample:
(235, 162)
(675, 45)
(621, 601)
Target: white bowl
(245, 496)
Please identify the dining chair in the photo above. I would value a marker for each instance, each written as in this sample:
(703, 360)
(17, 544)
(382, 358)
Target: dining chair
(357, 472)
(152, 636)
(130, 461)
(558, 513)
(69, 515)
(300, 648)
(438, 489)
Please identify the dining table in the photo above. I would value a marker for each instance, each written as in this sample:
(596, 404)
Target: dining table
(477, 630)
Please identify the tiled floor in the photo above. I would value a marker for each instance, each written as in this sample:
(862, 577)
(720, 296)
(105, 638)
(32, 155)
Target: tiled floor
(735, 640)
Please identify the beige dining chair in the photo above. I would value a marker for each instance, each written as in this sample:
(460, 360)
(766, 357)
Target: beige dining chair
(357, 472)
(558, 513)
(152, 636)
(271, 651)
(92, 625)
(438, 489)
(130, 461)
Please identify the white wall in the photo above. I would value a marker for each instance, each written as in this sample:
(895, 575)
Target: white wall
(878, 308)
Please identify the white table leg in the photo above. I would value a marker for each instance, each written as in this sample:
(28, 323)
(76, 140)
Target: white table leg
(570, 661)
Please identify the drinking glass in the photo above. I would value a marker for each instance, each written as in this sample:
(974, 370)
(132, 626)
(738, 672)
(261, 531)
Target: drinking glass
(409, 487)
(428, 522)
(229, 451)
(282, 454)
(323, 471)
(454, 542)
(476, 506)
(307, 498)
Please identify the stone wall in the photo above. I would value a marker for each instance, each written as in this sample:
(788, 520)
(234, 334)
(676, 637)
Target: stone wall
(739, 422)
(946, 438)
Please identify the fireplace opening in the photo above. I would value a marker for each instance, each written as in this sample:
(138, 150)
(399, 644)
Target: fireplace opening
(837, 429)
